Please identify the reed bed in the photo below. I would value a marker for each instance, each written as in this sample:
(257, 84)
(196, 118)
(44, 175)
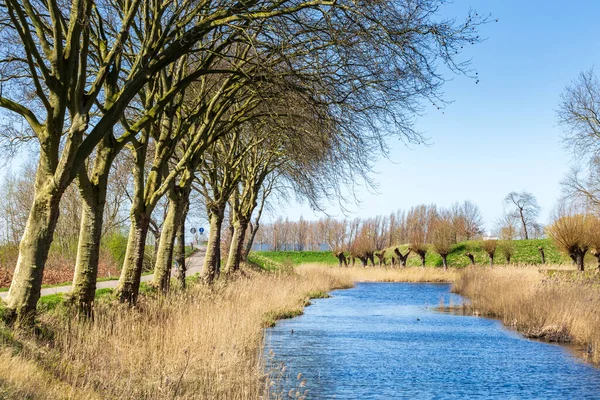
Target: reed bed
(554, 303)
(384, 274)
(204, 343)
(207, 342)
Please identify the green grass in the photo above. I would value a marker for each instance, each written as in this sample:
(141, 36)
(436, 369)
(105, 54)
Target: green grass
(272, 260)
(50, 302)
(525, 252)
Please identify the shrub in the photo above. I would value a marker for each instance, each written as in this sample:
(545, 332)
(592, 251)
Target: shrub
(116, 245)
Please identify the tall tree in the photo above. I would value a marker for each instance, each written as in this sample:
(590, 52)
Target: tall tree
(524, 207)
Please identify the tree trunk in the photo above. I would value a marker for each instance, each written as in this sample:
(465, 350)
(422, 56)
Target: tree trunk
(236, 246)
(131, 273)
(180, 248)
(524, 225)
(88, 250)
(491, 259)
(580, 257)
(422, 255)
(507, 258)
(93, 194)
(444, 261)
(212, 260)
(371, 258)
(166, 243)
(471, 258)
(541, 250)
(250, 241)
(341, 258)
(26, 284)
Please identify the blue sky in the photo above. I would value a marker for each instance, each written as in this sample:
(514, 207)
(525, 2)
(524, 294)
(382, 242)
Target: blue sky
(499, 135)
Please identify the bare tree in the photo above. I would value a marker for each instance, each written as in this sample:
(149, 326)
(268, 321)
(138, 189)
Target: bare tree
(443, 235)
(524, 206)
(419, 222)
(579, 115)
(467, 219)
(571, 232)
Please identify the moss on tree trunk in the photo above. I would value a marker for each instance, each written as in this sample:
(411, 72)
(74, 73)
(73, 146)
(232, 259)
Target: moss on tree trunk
(212, 260)
(129, 282)
(164, 255)
(26, 284)
(88, 252)
(179, 250)
(237, 246)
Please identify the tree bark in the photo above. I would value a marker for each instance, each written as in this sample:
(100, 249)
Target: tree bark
(180, 247)
(524, 224)
(212, 260)
(341, 258)
(445, 261)
(166, 244)
(471, 258)
(422, 256)
(26, 284)
(250, 242)
(93, 194)
(579, 257)
(371, 258)
(88, 252)
(129, 283)
(236, 246)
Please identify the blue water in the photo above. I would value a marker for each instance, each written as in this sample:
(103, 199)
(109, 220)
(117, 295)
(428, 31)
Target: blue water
(385, 341)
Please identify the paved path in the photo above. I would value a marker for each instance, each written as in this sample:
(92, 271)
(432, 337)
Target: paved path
(193, 263)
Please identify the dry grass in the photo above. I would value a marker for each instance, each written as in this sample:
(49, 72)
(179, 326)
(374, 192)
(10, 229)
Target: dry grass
(23, 379)
(553, 304)
(385, 274)
(205, 343)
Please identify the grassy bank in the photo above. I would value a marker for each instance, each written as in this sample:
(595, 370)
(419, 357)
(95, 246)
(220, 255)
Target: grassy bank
(205, 342)
(525, 252)
(273, 260)
(202, 343)
(556, 304)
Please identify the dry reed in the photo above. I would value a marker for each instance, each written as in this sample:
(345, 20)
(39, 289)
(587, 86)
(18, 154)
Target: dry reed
(553, 304)
(204, 343)
(385, 274)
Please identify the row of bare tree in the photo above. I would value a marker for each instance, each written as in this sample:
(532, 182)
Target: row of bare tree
(422, 227)
(216, 97)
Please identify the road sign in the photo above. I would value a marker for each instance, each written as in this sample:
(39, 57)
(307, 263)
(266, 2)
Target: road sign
(193, 230)
(201, 230)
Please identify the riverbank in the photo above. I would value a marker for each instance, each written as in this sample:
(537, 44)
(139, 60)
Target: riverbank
(385, 274)
(205, 342)
(552, 304)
